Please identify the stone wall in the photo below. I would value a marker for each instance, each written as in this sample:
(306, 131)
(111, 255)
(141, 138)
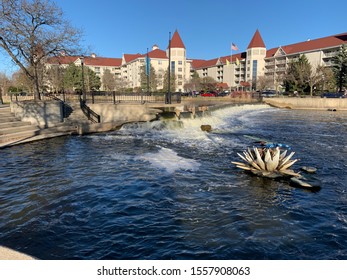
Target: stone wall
(124, 112)
(41, 113)
(317, 103)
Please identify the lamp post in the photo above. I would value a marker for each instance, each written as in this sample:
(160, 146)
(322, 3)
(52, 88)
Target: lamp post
(83, 89)
(168, 96)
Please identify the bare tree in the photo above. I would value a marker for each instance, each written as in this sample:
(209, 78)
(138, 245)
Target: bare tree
(4, 85)
(55, 75)
(108, 80)
(121, 84)
(21, 82)
(264, 82)
(31, 31)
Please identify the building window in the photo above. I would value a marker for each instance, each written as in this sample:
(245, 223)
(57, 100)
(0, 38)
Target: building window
(180, 62)
(179, 69)
(172, 67)
(255, 68)
(159, 62)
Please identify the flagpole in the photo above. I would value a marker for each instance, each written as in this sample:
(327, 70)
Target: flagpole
(148, 71)
(231, 63)
(168, 96)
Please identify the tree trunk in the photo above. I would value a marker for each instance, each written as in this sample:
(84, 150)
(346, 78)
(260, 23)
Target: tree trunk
(37, 95)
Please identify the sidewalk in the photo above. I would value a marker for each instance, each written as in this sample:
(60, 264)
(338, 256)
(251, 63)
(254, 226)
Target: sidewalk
(9, 254)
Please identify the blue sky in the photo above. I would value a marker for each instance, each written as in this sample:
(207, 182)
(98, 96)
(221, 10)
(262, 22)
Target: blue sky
(207, 27)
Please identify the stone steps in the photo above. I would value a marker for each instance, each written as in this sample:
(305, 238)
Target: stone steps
(18, 128)
(17, 136)
(77, 116)
(12, 129)
(13, 124)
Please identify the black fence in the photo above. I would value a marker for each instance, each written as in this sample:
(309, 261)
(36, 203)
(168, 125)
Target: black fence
(104, 97)
(117, 97)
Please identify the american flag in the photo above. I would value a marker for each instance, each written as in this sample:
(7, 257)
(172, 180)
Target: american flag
(234, 47)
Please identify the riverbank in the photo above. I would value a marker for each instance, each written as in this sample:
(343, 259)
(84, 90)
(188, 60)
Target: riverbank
(308, 103)
(113, 117)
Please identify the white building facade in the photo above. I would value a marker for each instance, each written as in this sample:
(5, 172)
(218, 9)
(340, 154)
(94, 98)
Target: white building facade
(238, 70)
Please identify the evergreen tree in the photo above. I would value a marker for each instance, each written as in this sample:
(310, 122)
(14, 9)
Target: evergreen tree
(340, 67)
(153, 81)
(172, 82)
(298, 74)
(73, 78)
(91, 80)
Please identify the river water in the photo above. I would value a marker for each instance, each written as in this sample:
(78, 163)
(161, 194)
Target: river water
(167, 190)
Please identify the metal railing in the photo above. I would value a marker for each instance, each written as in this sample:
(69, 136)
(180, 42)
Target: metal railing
(89, 113)
(102, 97)
(119, 97)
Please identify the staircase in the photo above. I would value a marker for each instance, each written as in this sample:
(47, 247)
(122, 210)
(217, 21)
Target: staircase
(13, 129)
(76, 115)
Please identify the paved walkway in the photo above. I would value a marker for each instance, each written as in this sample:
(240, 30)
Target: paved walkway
(9, 254)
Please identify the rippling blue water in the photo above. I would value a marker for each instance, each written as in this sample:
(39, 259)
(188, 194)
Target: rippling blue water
(167, 190)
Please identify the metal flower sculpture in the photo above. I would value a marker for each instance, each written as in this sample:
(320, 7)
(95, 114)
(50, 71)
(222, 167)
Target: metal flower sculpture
(267, 162)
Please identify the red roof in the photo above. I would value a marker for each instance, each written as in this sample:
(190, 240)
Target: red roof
(205, 63)
(239, 56)
(131, 57)
(316, 44)
(176, 41)
(62, 59)
(257, 41)
(197, 63)
(88, 60)
(222, 85)
(245, 84)
(102, 61)
(157, 53)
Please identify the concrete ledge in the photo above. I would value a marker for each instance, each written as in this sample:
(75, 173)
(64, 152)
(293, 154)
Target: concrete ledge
(308, 103)
(124, 112)
(87, 128)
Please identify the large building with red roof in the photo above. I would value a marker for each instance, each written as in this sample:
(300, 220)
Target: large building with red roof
(248, 66)
(236, 70)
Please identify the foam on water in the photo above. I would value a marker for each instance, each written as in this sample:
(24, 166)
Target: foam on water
(222, 118)
(169, 160)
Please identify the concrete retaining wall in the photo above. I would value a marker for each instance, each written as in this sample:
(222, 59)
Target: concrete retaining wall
(41, 113)
(124, 112)
(308, 103)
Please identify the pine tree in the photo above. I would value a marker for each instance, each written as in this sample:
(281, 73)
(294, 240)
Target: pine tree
(340, 67)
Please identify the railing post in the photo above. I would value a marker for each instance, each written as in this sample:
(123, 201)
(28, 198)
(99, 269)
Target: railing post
(114, 97)
(92, 97)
